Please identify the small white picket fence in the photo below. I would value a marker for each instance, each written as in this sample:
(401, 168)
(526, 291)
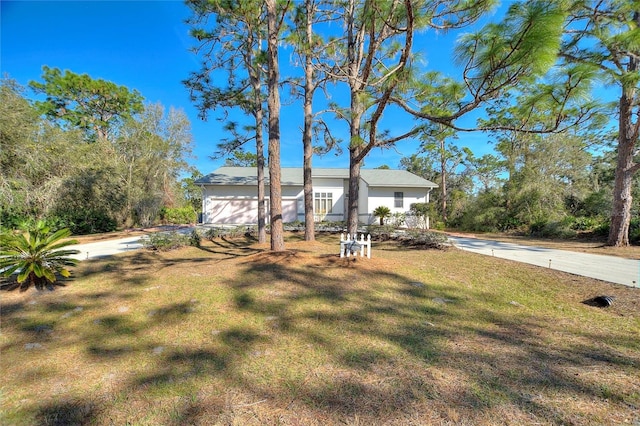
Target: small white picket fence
(349, 246)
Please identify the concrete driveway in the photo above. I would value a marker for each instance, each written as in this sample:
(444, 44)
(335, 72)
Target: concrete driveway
(106, 248)
(606, 268)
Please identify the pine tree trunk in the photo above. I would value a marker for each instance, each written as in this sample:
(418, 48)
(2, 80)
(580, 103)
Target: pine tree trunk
(625, 166)
(309, 224)
(443, 181)
(273, 103)
(625, 170)
(262, 211)
(354, 191)
(256, 84)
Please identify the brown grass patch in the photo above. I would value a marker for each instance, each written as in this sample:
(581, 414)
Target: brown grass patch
(234, 334)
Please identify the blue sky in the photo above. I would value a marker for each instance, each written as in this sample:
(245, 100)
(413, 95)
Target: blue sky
(144, 45)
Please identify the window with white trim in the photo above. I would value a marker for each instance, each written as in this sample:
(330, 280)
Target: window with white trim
(323, 202)
(398, 199)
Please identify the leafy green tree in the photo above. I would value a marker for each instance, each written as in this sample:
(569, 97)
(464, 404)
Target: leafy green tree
(19, 124)
(485, 169)
(501, 57)
(97, 107)
(192, 193)
(370, 59)
(418, 165)
(421, 213)
(37, 256)
(36, 158)
(149, 155)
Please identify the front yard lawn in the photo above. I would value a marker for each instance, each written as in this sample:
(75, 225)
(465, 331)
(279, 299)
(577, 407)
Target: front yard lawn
(231, 333)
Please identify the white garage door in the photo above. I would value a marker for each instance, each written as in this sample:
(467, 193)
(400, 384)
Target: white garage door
(240, 212)
(232, 211)
(289, 211)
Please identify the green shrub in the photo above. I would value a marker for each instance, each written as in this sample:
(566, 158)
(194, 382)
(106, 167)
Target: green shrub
(438, 225)
(380, 232)
(634, 231)
(36, 256)
(602, 229)
(584, 223)
(235, 232)
(418, 214)
(179, 215)
(82, 221)
(398, 219)
(194, 238)
(165, 241)
(424, 239)
(212, 233)
(555, 229)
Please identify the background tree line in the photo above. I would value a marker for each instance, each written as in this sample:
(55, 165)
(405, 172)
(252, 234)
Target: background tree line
(91, 156)
(557, 185)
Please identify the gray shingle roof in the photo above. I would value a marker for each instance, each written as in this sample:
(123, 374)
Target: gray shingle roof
(294, 176)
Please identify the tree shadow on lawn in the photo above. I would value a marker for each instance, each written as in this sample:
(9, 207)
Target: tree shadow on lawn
(230, 249)
(531, 362)
(503, 368)
(295, 300)
(399, 334)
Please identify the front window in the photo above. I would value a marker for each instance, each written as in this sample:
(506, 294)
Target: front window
(323, 202)
(398, 199)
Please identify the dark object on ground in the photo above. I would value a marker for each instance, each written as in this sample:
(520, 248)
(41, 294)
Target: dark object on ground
(600, 301)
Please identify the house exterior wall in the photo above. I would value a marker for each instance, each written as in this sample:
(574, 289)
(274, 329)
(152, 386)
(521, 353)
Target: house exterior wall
(237, 204)
(363, 203)
(326, 186)
(384, 196)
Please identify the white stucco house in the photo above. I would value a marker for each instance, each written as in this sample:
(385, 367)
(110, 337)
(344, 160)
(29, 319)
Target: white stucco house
(229, 194)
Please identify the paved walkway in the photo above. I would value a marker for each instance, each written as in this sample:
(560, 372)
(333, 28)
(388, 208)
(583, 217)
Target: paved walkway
(606, 268)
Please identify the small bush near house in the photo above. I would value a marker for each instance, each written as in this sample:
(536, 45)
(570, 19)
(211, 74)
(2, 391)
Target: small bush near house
(381, 232)
(424, 240)
(398, 219)
(165, 241)
(195, 239)
(179, 215)
(213, 233)
(235, 232)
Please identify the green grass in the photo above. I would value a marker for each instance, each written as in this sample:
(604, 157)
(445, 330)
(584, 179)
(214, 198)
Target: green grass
(233, 334)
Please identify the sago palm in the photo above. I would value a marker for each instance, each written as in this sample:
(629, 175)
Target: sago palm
(36, 256)
(382, 212)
